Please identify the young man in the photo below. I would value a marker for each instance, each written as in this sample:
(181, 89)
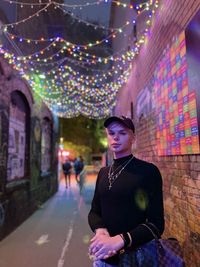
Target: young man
(127, 194)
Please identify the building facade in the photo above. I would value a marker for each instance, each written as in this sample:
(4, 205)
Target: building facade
(163, 89)
(28, 150)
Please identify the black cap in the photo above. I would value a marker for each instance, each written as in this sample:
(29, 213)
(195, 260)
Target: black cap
(123, 120)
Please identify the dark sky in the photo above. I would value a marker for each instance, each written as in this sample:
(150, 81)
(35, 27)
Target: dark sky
(95, 12)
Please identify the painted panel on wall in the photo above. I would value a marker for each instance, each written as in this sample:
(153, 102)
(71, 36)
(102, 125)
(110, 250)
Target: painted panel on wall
(192, 36)
(3, 143)
(16, 145)
(176, 108)
(145, 102)
(46, 147)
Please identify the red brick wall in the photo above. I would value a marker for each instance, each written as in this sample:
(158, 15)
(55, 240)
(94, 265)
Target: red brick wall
(181, 174)
(181, 186)
(171, 19)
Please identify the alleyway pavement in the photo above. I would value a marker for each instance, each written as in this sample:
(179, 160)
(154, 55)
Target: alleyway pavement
(56, 235)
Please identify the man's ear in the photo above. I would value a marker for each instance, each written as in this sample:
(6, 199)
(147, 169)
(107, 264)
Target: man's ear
(133, 138)
(133, 146)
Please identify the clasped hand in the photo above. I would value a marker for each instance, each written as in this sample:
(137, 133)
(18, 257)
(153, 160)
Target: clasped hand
(103, 245)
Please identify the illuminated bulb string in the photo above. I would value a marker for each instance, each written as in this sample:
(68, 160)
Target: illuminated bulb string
(54, 2)
(85, 46)
(28, 18)
(60, 6)
(118, 3)
(80, 46)
(76, 49)
(19, 67)
(79, 58)
(6, 55)
(72, 93)
(77, 46)
(62, 60)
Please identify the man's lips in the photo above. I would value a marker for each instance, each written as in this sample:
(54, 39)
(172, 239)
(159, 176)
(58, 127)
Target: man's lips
(116, 144)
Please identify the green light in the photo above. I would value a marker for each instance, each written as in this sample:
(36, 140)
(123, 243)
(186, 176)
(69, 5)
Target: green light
(42, 76)
(104, 141)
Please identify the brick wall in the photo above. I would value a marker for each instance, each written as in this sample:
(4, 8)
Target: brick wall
(20, 197)
(171, 19)
(181, 186)
(181, 174)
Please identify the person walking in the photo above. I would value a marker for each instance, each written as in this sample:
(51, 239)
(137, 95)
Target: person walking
(67, 172)
(78, 168)
(128, 194)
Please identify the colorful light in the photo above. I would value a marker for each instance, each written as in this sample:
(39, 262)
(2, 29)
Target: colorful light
(54, 76)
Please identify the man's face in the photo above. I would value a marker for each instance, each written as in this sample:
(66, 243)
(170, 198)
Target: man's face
(120, 139)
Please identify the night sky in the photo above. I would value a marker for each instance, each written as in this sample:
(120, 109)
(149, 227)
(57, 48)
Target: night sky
(95, 12)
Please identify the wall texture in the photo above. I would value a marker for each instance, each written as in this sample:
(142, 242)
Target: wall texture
(21, 196)
(181, 173)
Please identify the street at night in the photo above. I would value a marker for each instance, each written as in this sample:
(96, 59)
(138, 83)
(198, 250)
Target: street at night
(106, 92)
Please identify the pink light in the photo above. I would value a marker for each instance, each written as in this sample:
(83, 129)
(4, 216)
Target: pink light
(65, 153)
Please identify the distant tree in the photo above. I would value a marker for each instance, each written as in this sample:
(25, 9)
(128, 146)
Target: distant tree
(83, 132)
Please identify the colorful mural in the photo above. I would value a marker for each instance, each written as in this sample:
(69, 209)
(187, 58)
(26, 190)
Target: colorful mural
(176, 108)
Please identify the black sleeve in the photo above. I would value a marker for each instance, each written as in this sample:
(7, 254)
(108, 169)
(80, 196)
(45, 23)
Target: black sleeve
(155, 212)
(94, 216)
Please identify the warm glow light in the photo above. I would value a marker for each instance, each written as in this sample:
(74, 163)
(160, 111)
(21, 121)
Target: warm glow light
(65, 153)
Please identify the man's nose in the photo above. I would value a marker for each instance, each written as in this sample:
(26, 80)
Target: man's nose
(116, 137)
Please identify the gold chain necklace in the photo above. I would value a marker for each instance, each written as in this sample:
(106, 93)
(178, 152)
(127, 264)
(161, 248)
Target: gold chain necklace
(112, 176)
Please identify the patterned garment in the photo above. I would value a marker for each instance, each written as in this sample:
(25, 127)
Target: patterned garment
(102, 264)
(128, 259)
(156, 253)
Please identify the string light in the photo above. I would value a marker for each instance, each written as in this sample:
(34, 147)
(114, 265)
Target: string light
(62, 4)
(28, 18)
(85, 46)
(54, 76)
(74, 6)
(142, 7)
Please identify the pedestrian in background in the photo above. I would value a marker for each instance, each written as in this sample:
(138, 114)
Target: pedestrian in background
(67, 167)
(78, 167)
(127, 195)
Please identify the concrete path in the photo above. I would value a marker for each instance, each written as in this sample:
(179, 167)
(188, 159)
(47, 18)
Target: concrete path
(56, 235)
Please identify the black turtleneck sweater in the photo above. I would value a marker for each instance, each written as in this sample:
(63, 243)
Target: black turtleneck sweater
(135, 198)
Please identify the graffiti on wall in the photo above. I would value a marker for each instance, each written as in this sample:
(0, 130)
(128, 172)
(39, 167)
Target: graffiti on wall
(176, 107)
(16, 143)
(144, 103)
(2, 215)
(35, 148)
(46, 147)
(3, 139)
(36, 141)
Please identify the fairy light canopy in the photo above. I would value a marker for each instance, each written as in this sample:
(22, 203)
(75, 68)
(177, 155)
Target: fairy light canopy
(68, 59)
